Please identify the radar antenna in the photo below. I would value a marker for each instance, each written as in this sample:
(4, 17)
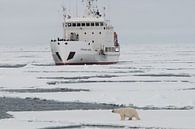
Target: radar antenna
(91, 8)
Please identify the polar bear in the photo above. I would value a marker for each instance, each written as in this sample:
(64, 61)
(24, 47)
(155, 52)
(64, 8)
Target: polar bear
(127, 112)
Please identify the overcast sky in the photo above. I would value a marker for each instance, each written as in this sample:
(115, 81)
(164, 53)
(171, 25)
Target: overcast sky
(35, 22)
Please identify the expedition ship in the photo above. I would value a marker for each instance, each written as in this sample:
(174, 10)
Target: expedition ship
(89, 39)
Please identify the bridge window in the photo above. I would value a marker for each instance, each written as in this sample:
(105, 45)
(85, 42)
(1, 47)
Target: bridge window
(83, 24)
(78, 24)
(106, 49)
(73, 24)
(97, 24)
(87, 24)
(92, 24)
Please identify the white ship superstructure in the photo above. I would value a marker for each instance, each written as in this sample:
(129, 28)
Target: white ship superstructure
(89, 39)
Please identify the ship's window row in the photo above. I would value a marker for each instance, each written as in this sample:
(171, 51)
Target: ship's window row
(84, 24)
(109, 49)
(92, 33)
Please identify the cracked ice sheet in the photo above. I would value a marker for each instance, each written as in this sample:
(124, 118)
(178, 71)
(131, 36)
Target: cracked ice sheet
(152, 94)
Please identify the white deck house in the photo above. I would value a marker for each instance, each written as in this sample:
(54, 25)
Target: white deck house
(87, 40)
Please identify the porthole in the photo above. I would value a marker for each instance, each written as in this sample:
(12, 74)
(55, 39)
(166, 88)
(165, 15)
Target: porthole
(100, 32)
(85, 33)
(92, 32)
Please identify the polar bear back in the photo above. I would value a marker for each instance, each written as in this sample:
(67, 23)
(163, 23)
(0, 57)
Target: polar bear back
(130, 112)
(127, 112)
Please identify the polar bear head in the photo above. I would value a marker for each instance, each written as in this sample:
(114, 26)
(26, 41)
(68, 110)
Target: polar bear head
(115, 111)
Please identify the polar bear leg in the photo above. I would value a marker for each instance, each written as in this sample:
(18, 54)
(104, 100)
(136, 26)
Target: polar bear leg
(122, 116)
(136, 116)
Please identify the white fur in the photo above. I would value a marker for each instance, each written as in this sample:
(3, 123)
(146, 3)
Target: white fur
(127, 112)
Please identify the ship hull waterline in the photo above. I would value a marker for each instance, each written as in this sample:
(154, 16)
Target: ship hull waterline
(77, 54)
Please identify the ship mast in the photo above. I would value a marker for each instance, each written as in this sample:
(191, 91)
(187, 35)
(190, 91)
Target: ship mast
(91, 9)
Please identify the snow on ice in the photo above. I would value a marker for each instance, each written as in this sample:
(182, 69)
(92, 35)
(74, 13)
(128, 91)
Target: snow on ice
(156, 76)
